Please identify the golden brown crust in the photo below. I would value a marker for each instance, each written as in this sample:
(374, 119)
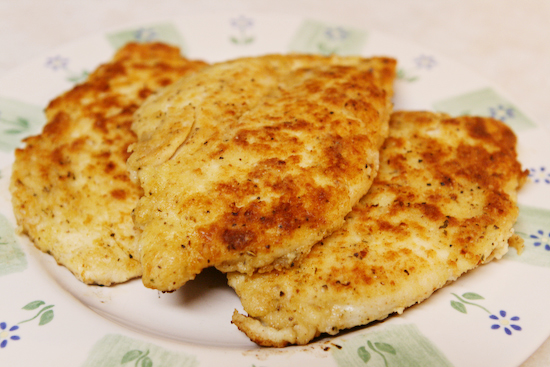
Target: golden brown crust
(250, 162)
(70, 186)
(444, 202)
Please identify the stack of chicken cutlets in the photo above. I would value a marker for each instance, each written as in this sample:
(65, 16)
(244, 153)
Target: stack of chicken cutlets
(290, 173)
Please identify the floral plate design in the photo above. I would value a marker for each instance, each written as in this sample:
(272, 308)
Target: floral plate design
(496, 315)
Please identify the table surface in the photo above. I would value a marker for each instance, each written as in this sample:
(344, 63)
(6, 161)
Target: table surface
(504, 41)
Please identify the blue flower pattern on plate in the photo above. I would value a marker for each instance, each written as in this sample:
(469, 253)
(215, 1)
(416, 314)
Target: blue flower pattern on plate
(332, 39)
(145, 34)
(501, 112)
(425, 62)
(44, 311)
(505, 322)
(336, 34)
(7, 334)
(541, 239)
(242, 24)
(61, 63)
(539, 175)
(57, 63)
(421, 62)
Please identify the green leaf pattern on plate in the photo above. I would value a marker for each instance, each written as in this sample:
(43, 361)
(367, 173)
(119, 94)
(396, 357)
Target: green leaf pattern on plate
(33, 305)
(140, 357)
(378, 348)
(460, 305)
(46, 313)
(394, 345)
(12, 257)
(120, 350)
(17, 121)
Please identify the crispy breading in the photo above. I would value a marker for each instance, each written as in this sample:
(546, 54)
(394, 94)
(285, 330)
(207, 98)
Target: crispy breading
(70, 187)
(248, 163)
(443, 203)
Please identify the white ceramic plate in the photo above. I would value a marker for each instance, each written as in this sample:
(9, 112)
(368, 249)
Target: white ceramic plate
(496, 315)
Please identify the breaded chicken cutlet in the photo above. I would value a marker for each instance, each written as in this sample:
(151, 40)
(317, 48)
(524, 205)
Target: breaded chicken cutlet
(443, 203)
(70, 187)
(246, 164)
